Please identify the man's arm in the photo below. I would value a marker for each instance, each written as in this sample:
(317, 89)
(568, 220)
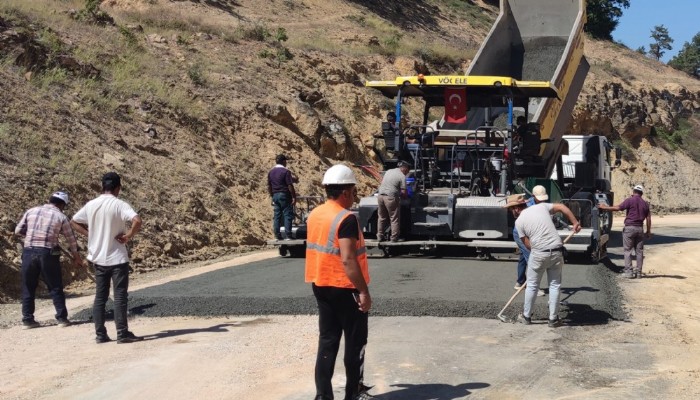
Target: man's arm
(290, 186)
(348, 254)
(21, 228)
(293, 193)
(609, 208)
(558, 207)
(135, 228)
(72, 243)
(80, 228)
(526, 242)
(648, 234)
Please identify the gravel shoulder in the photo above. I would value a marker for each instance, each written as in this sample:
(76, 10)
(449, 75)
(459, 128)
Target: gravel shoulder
(653, 354)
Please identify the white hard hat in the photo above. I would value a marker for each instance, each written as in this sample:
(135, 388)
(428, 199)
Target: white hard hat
(339, 175)
(540, 193)
(639, 188)
(63, 196)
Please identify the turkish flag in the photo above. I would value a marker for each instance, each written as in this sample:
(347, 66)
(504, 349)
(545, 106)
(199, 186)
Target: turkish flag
(456, 105)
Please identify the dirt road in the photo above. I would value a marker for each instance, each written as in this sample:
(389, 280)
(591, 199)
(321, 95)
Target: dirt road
(653, 354)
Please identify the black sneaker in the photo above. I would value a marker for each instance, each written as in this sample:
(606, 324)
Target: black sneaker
(64, 322)
(129, 337)
(102, 339)
(30, 324)
(554, 323)
(524, 320)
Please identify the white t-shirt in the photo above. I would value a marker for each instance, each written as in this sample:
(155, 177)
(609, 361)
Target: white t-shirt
(106, 217)
(535, 222)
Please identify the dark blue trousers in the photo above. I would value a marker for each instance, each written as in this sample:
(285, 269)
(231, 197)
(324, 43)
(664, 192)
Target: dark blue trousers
(45, 263)
(284, 213)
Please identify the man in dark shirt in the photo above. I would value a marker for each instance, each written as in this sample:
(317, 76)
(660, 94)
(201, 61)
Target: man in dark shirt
(633, 235)
(280, 185)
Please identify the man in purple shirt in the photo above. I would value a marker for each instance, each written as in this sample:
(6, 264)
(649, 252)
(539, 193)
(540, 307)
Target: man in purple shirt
(41, 227)
(280, 185)
(633, 235)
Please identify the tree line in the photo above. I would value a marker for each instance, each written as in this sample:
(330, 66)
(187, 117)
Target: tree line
(603, 18)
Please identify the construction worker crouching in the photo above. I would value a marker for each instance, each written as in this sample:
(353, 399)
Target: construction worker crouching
(336, 267)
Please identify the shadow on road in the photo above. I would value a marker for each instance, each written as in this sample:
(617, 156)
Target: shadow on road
(584, 314)
(616, 239)
(650, 276)
(572, 291)
(179, 332)
(431, 391)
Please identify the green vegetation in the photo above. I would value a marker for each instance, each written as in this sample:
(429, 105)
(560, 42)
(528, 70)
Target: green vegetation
(603, 17)
(280, 53)
(685, 137)
(196, 75)
(625, 75)
(688, 59)
(130, 38)
(93, 14)
(662, 42)
(629, 153)
(468, 10)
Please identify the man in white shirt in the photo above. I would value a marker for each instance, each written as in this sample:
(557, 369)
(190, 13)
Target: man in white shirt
(103, 220)
(540, 236)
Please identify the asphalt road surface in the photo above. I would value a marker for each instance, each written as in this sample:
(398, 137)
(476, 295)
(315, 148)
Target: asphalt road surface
(433, 333)
(400, 286)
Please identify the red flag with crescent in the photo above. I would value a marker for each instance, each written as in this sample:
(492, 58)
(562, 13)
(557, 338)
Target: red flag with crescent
(456, 105)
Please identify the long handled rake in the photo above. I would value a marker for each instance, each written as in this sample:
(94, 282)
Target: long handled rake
(504, 318)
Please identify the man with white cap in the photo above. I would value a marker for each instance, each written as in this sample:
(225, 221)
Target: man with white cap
(337, 268)
(633, 235)
(41, 256)
(540, 236)
(539, 195)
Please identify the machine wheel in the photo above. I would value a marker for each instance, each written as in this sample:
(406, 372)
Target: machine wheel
(297, 252)
(283, 250)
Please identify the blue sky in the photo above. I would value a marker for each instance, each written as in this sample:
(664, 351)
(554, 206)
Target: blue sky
(680, 17)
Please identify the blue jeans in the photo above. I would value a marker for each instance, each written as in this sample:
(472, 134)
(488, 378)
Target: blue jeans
(45, 263)
(524, 255)
(283, 208)
(119, 275)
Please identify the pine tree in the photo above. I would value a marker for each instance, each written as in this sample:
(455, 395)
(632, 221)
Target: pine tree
(603, 16)
(662, 42)
(688, 59)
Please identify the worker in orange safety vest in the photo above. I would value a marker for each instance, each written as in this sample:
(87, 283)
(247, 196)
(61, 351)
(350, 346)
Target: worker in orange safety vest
(336, 267)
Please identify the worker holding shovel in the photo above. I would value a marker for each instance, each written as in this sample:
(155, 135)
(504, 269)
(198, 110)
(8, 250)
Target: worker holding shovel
(540, 236)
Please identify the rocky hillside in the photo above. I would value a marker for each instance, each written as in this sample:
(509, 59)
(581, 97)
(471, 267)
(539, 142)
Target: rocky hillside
(191, 100)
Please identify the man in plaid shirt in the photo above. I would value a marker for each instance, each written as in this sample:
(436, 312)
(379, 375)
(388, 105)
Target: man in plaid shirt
(40, 227)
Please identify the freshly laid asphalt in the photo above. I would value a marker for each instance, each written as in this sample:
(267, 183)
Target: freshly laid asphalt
(400, 286)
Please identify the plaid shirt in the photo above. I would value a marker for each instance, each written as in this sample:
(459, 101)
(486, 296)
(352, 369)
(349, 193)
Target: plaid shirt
(41, 226)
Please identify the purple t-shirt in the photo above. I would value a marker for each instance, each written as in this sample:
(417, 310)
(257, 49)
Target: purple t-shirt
(637, 210)
(279, 179)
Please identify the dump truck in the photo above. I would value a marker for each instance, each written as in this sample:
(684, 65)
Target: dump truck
(530, 68)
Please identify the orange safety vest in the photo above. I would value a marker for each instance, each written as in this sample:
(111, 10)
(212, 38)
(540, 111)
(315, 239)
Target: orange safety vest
(324, 266)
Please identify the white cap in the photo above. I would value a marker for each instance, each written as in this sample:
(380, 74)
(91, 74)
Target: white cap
(639, 188)
(540, 193)
(339, 175)
(63, 196)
